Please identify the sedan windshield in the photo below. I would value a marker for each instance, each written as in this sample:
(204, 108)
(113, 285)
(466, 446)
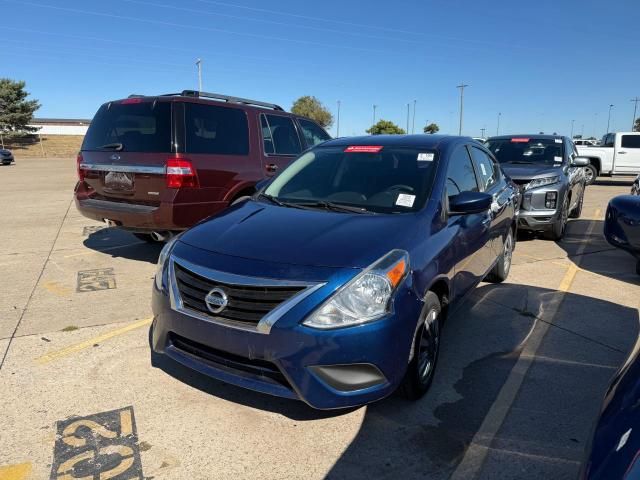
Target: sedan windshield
(539, 151)
(363, 179)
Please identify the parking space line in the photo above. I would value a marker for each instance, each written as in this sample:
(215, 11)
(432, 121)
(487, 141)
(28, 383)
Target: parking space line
(473, 460)
(19, 471)
(49, 357)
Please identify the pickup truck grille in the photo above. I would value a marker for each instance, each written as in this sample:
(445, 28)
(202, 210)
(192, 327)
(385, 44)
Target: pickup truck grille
(247, 304)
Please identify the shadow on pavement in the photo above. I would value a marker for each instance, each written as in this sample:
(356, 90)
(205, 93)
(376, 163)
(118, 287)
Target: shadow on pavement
(548, 425)
(120, 243)
(614, 182)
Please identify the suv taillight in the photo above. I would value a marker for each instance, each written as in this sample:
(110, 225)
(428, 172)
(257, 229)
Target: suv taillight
(80, 170)
(181, 174)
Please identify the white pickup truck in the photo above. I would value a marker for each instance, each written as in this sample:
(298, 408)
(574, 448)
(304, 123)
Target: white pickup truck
(618, 154)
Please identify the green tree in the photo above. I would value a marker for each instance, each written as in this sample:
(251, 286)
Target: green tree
(385, 127)
(431, 128)
(16, 112)
(312, 108)
(636, 127)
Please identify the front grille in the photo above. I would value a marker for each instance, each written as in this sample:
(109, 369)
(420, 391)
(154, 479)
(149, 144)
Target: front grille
(253, 366)
(247, 304)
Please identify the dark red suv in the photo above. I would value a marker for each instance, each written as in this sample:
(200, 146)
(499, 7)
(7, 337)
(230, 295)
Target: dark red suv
(157, 165)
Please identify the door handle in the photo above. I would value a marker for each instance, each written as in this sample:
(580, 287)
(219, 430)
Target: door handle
(272, 168)
(622, 153)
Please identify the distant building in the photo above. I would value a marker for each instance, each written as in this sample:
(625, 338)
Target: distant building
(61, 126)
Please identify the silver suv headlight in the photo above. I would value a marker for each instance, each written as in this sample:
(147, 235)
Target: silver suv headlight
(542, 182)
(366, 297)
(162, 259)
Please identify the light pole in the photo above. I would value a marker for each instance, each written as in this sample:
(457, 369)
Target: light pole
(199, 65)
(572, 122)
(408, 110)
(413, 124)
(498, 128)
(609, 118)
(374, 115)
(482, 132)
(462, 86)
(338, 122)
(635, 110)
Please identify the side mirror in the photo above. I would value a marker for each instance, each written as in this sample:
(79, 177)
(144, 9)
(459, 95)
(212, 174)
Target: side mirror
(466, 203)
(262, 184)
(580, 162)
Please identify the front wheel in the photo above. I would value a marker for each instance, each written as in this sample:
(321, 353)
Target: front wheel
(421, 368)
(578, 210)
(591, 173)
(500, 271)
(559, 228)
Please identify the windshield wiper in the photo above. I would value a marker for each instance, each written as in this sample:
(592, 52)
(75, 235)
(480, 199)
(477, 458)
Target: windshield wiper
(336, 207)
(112, 146)
(275, 201)
(521, 162)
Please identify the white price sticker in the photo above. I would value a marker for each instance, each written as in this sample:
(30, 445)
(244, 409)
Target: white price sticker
(405, 200)
(557, 159)
(558, 140)
(425, 157)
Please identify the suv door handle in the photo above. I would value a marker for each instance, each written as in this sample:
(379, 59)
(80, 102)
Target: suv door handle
(621, 153)
(272, 168)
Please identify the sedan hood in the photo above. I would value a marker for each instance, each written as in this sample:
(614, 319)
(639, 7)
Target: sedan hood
(302, 237)
(529, 172)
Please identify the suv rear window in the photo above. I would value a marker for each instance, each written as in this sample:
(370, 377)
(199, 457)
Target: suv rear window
(216, 130)
(139, 127)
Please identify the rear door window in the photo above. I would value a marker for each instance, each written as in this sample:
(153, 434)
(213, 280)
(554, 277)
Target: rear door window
(487, 171)
(279, 135)
(214, 130)
(461, 176)
(630, 141)
(139, 126)
(313, 133)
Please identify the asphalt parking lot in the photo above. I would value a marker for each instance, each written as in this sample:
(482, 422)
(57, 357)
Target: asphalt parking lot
(523, 367)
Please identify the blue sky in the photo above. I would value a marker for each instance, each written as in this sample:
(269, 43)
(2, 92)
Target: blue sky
(540, 63)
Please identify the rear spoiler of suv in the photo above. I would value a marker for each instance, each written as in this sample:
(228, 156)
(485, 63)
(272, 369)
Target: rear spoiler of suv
(226, 98)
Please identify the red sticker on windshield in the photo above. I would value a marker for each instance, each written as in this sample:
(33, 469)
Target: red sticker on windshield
(363, 149)
(519, 140)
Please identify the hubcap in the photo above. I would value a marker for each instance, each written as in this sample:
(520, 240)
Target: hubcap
(589, 174)
(428, 348)
(508, 252)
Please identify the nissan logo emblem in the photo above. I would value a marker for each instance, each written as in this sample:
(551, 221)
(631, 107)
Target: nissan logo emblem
(115, 157)
(216, 300)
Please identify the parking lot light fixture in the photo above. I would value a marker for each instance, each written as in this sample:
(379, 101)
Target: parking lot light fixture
(609, 118)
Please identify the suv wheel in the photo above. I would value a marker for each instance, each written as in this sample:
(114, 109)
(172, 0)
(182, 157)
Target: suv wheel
(591, 173)
(419, 375)
(559, 228)
(500, 271)
(578, 210)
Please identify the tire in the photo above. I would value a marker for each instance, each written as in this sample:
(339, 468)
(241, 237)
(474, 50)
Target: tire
(578, 210)
(591, 174)
(638, 267)
(560, 227)
(6, 163)
(420, 371)
(500, 271)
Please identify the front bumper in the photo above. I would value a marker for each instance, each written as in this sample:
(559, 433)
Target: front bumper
(534, 215)
(327, 369)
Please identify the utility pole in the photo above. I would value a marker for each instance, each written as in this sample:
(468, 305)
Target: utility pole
(199, 65)
(374, 115)
(408, 110)
(582, 131)
(498, 128)
(482, 132)
(338, 122)
(572, 122)
(462, 86)
(609, 118)
(413, 124)
(635, 110)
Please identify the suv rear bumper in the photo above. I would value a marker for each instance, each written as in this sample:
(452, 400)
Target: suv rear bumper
(146, 218)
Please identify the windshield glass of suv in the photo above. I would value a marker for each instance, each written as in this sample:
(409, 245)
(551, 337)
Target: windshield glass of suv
(375, 179)
(527, 150)
(131, 127)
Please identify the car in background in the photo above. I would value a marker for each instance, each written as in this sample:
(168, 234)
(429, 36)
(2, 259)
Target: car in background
(614, 450)
(583, 142)
(551, 177)
(156, 165)
(6, 157)
(619, 153)
(622, 225)
(332, 283)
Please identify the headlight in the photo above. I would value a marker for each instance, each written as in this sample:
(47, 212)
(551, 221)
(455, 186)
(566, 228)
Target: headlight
(542, 182)
(366, 297)
(162, 259)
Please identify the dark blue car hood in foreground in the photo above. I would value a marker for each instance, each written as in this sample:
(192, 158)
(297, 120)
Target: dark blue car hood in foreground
(302, 237)
(529, 172)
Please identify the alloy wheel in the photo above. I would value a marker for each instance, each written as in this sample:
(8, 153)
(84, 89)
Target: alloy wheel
(428, 346)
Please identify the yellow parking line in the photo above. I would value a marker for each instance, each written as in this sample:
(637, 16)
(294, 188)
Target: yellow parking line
(49, 357)
(19, 471)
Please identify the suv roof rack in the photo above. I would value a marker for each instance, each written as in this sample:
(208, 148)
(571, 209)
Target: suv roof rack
(226, 98)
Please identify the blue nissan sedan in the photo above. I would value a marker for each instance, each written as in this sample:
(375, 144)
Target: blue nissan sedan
(331, 284)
